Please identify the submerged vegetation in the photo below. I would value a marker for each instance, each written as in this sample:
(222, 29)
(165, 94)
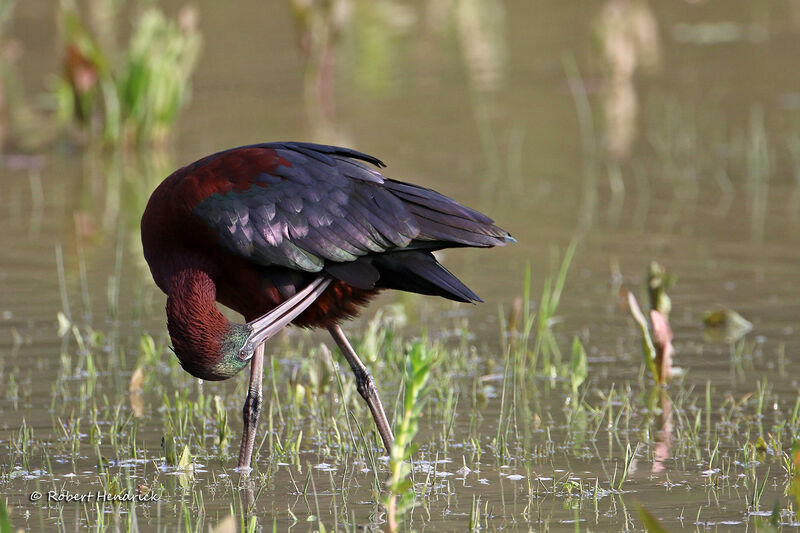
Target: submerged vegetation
(482, 419)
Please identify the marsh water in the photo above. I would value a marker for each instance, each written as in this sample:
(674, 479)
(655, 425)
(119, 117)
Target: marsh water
(640, 131)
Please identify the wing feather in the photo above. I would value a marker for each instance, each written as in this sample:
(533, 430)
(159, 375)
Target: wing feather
(322, 205)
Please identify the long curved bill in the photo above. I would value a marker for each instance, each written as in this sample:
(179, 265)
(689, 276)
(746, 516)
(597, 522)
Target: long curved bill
(271, 323)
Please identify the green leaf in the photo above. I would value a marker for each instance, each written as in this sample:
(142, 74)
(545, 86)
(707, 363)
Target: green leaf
(403, 486)
(761, 445)
(578, 367)
(651, 523)
(775, 517)
(186, 458)
(170, 453)
(795, 488)
(648, 349)
(5, 521)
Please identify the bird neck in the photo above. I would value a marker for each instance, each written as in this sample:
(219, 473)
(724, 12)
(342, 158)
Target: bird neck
(207, 344)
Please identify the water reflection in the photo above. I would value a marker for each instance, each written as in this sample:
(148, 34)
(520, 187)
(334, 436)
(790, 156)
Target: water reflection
(369, 46)
(629, 41)
(319, 24)
(22, 125)
(793, 145)
(10, 52)
(663, 446)
(111, 193)
(482, 36)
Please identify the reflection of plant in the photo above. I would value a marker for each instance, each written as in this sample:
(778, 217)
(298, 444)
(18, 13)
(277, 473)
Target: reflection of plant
(19, 121)
(111, 196)
(6, 7)
(628, 41)
(482, 30)
(137, 94)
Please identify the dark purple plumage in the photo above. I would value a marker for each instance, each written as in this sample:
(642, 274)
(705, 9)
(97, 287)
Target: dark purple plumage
(293, 233)
(321, 209)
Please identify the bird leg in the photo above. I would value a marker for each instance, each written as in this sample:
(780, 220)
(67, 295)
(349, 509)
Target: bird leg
(252, 407)
(262, 329)
(365, 385)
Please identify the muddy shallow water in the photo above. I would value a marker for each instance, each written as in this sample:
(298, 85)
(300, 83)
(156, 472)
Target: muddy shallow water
(640, 132)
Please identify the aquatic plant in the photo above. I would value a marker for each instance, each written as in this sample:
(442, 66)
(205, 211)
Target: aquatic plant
(133, 95)
(577, 366)
(734, 448)
(545, 343)
(794, 489)
(5, 521)
(656, 348)
(401, 489)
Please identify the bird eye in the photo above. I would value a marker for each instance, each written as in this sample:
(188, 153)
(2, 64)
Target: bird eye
(246, 352)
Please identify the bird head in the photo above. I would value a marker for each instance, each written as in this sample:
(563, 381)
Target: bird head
(216, 357)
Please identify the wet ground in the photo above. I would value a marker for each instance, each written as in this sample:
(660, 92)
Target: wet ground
(639, 131)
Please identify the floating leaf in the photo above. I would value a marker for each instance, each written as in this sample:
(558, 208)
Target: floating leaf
(732, 325)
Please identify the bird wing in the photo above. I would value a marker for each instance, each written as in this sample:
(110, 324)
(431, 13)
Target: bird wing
(321, 205)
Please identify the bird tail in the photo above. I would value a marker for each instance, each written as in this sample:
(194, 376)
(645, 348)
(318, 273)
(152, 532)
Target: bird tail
(444, 221)
(419, 271)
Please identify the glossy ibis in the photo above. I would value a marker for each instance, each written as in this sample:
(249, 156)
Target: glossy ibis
(293, 233)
